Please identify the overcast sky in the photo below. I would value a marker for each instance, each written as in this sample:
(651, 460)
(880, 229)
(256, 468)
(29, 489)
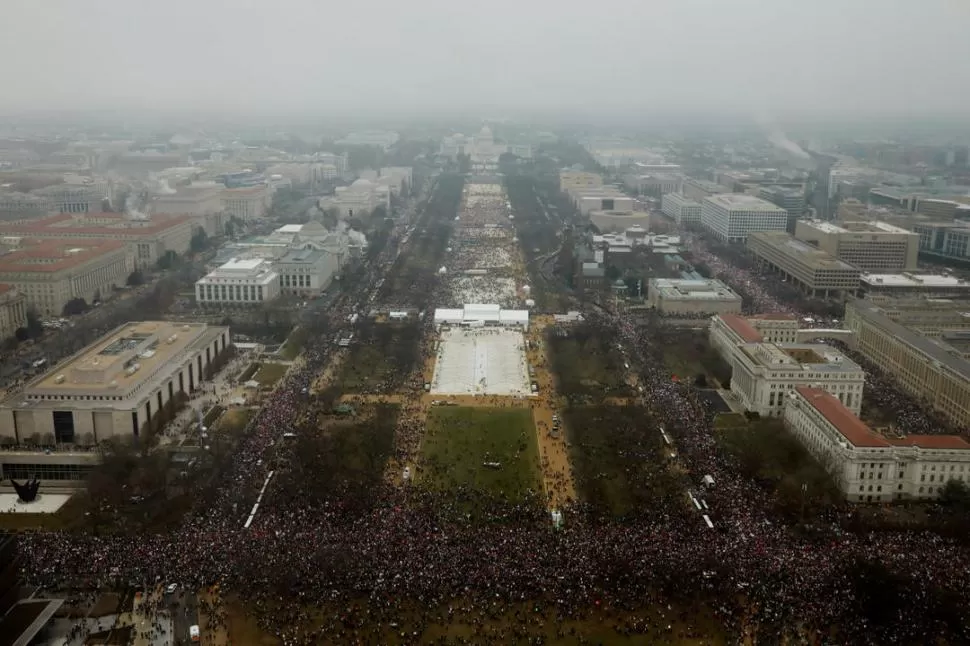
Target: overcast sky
(502, 55)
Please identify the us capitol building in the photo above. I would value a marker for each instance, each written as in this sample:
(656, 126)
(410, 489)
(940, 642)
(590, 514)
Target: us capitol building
(481, 148)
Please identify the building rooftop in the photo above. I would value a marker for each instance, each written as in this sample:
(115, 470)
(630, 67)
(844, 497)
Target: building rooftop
(117, 365)
(799, 357)
(242, 264)
(692, 289)
(706, 185)
(789, 245)
(742, 202)
(858, 433)
(937, 352)
(308, 256)
(742, 328)
(871, 226)
(49, 256)
(914, 280)
(853, 429)
(92, 224)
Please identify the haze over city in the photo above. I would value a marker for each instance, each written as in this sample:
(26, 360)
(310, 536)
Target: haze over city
(298, 56)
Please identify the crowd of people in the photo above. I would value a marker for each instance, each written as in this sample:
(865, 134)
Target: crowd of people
(410, 559)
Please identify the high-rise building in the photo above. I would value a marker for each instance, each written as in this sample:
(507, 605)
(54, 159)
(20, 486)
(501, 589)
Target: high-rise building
(732, 217)
(684, 211)
(817, 272)
(790, 199)
(870, 246)
(698, 189)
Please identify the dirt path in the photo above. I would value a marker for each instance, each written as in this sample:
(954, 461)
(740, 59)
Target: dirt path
(553, 451)
(330, 372)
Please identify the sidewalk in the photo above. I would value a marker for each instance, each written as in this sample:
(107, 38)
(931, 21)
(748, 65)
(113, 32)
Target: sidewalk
(142, 620)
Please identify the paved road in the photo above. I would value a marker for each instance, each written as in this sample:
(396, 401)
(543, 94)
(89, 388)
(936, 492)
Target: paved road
(184, 607)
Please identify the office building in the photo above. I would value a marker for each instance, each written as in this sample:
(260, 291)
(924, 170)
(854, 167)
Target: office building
(698, 189)
(578, 179)
(943, 209)
(732, 217)
(653, 184)
(706, 296)
(114, 387)
(147, 239)
(23, 206)
(853, 210)
(189, 200)
(358, 200)
(817, 272)
(50, 273)
(870, 246)
(790, 199)
(72, 198)
(306, 272)
(382, 139)
(867, 466)
(763, 374)
(398, 179)
(241, 282)
(247, 203)
(727, 331)
(908, 284)
(13, 310)
(897, 337)
(685, 212)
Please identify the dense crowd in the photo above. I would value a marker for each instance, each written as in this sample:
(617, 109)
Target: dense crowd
(412, 553)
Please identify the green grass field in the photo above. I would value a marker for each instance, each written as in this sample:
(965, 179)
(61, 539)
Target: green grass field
(269, 373)
(460, 440)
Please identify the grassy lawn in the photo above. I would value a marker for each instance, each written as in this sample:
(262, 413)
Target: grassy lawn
(619, 462)
(269, 373)
(382, 358)
(460, 440)
(688, 353)
(586, 364)
(294, 343)
(235, 420)
(730, 420)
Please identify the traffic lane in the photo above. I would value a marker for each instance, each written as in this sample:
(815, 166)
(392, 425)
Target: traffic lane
(184, 608)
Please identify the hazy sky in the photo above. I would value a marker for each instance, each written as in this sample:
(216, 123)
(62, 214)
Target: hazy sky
(489, 56)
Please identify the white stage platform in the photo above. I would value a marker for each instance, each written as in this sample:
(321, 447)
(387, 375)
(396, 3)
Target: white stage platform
(481, 361)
